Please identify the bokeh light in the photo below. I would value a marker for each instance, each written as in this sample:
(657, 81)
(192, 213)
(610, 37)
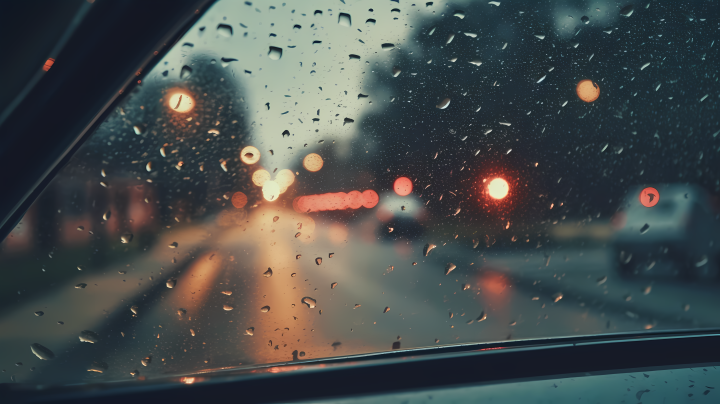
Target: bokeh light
(271, 190)
(588, 90)
(284, 179)
(313, 162)
(336, 201)
(259, 177)
(498, 188)
(250, 155)
(181, 102)
(239, 200)
(403, 186)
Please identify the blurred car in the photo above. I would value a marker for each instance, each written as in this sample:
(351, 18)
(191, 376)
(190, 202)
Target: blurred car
(681, 228)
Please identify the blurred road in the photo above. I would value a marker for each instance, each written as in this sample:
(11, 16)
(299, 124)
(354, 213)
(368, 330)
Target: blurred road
(194, 326)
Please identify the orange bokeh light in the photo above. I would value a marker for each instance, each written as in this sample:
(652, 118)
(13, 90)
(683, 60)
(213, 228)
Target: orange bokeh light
(403, 186)
(588, 90)
(181, 102)
(239, 200)
(498, 188)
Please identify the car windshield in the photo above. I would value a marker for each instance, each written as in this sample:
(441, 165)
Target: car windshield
(301, 180)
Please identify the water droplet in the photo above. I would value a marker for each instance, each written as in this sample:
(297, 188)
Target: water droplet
(268, 273)
(185, 72)
(428, 247)
(449, 268)
(89, 336)
(174, 244)
(494, 3)
(465, 286)
(146, 360)
(626, 11)
(476, 62)
(80, 286)
(134, 310)
(449, 39)
(134, 373)
(275, 53)
(39, 313)
(386, 310)
(318, 260)
(443, 104)
(250, 331)
(481, 317)
(388, 46)
(344, 20)
(98, 367)
(370, 21)
(557, 296)
(702, 260)
(171, 283)
(644, 229)
(332, 285)
(192, 332)
(625, 257)
(162, 152)
(354, 57)
(265, 309)
(106, 215)
(396, 71)
(227, 307)
(42, 352)
(585, 19)
(601, 280)
(224, 30)
(126, 238)
(309, 302)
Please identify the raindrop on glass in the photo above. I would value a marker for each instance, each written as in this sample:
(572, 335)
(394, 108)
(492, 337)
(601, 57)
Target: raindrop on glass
(224, 30)
(308, 301)
(89, 336)
(42, 352)
(185, 72)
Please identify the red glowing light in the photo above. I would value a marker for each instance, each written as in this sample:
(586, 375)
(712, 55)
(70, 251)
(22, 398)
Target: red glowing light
(336, 201)
(649, 197)
(498, 188)
(403, 186)
(48, 64)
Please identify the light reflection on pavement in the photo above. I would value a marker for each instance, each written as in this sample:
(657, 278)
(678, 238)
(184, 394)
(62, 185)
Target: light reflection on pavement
(213, 258)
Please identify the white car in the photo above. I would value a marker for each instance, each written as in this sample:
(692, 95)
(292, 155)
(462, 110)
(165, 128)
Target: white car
(681, 228)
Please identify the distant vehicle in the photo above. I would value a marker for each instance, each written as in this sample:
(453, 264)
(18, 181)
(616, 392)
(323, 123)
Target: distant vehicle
(681, 228)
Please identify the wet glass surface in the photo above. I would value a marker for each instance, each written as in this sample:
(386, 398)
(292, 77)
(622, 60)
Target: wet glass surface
(302, 180)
